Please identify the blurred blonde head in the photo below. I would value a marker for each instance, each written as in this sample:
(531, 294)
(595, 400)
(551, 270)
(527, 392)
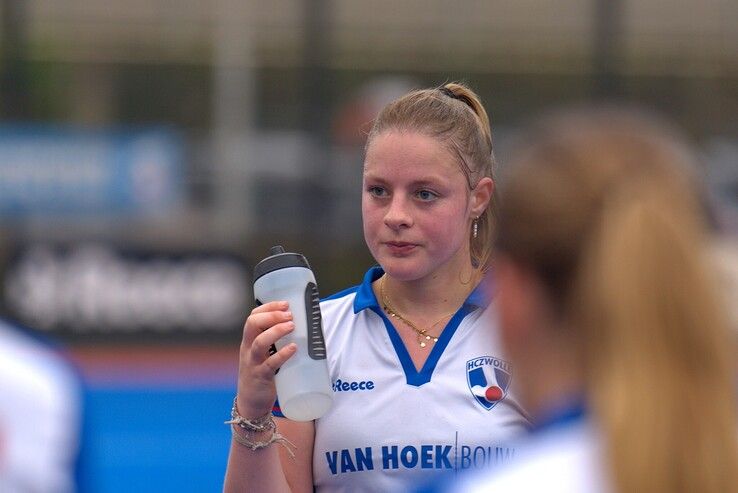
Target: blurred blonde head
(602, 206)
(453, 114)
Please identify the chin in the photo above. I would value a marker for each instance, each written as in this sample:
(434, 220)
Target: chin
(404, 269)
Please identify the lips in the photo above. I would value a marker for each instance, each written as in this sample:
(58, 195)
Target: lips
(400, 247)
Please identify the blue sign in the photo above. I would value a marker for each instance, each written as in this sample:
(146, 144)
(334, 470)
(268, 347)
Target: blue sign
(51, 171)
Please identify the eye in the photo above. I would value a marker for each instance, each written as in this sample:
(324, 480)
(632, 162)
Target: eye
(426, 195)
(377, 191)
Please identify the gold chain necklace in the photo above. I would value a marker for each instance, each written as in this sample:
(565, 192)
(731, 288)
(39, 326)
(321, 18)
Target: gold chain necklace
(422, 335)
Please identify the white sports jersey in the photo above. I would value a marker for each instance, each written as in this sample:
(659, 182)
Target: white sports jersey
(567, 458)
(39, 417)
(391, 427)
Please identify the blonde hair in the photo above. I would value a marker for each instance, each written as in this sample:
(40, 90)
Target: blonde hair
(454, 115)
(603, 206)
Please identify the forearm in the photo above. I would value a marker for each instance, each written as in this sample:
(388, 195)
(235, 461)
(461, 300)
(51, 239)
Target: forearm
(254, 461)
(254, 470)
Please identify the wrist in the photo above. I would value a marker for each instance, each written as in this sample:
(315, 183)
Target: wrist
(250, 435)
(257, 433)
(250, 412)
(259, 423)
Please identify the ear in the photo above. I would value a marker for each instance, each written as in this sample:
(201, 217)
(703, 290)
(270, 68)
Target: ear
(481, 195)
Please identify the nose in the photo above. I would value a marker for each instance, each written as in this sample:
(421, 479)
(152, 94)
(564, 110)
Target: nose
(397, 215)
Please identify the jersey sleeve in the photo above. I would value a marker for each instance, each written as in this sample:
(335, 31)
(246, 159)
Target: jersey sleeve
(276, 410)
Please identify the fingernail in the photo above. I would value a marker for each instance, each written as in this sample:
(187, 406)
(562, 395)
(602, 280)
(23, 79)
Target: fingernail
(291, 325)
(288, 315)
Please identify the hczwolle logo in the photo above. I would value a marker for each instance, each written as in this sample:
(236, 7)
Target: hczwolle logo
(488, 378)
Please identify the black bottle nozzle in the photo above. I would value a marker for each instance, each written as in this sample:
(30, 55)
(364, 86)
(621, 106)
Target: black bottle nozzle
(276, 250)
(279, 259)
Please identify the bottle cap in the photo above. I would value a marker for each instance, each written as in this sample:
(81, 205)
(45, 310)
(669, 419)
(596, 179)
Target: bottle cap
(279, 259)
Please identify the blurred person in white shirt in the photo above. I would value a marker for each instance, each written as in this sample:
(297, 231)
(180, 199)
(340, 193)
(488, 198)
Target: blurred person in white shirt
(39, 416)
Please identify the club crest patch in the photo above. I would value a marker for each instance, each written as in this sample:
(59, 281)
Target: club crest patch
(488, 379)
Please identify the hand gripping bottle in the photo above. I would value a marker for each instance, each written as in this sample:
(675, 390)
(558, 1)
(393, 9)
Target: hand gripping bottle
(303, 386)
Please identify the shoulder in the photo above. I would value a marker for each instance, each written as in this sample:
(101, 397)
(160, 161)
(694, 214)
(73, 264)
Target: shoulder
(347, 294)
(357, 297)
(34, 368)
(338, 316)
(30, 351)
(566, 460)
(343, 302)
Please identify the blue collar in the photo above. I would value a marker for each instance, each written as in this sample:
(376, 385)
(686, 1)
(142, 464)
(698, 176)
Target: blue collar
(564, 412)
(365, 298)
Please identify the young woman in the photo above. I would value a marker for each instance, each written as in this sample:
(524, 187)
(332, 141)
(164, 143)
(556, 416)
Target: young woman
(608, 312)
(420, 384)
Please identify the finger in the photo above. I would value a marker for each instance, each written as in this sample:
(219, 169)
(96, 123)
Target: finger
(259, 322)
(271, 307)
(263, 341)
(275, 361)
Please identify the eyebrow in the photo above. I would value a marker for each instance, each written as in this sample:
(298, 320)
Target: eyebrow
(431, 181)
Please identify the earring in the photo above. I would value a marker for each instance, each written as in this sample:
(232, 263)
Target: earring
(475, 227)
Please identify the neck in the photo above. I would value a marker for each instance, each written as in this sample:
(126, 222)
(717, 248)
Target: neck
(441, 291)
(550, 377)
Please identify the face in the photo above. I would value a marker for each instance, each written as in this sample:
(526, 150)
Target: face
(417, 206)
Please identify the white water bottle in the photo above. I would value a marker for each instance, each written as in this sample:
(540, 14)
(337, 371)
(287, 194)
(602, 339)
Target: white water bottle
(303, 385)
